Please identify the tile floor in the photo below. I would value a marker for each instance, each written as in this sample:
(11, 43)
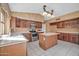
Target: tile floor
(61, 49)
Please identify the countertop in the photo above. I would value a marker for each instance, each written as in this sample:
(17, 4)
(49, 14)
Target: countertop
(10, 42)
(6, 41)
(68, 32)
(48, 34)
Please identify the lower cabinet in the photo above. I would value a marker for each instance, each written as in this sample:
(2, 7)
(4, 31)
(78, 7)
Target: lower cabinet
(69, 37)
(14, 50)
(75, 38)
(66, 37)
(60, 36)
(28, 36)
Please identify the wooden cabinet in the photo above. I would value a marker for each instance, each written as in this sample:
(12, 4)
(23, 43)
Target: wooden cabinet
(14, 50)
(38, 24)
(28, 36)
(75, 38)
(60, 36)
(46, 42)
(69, 37)
(68, 24)
(17, 22)
(66, 37)
(60, 25)
(21, 23)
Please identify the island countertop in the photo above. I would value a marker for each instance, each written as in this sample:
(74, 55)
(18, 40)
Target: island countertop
(48, 34)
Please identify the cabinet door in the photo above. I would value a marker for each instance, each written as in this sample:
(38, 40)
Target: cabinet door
(18, 22)
(66, 37)
(60, 36)
(60, 25)
(3, 51)
(38, 24)
(74, 38)
(78, 38)
(67, 24)
(70, 37)
(23, 23)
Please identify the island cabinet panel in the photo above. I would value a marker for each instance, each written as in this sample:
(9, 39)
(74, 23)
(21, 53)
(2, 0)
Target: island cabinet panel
(46, 42)
(42, 41)
(14, 50)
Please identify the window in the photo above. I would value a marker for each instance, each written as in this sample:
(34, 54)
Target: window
(1, 23)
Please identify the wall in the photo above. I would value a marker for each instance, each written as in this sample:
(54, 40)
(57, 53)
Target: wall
(29, 16)
(69, 16)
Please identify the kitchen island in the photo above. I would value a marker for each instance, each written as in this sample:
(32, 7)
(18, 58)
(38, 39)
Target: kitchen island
(13, 46)
(47, 40)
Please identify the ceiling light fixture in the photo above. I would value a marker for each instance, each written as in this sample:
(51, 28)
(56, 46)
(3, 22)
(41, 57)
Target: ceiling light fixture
(47, 13)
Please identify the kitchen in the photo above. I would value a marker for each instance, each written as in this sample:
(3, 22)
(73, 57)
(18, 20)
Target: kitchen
(29, 34)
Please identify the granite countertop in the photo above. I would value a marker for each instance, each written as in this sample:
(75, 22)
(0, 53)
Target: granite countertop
(6, 41)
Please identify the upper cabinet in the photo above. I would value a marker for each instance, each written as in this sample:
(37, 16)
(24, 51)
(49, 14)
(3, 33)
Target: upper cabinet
(73, 23)
(21, 23)
(38, 24)
(17, 22)
(60, 25)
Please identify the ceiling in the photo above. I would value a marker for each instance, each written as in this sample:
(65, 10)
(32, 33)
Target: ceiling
(59, 8)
